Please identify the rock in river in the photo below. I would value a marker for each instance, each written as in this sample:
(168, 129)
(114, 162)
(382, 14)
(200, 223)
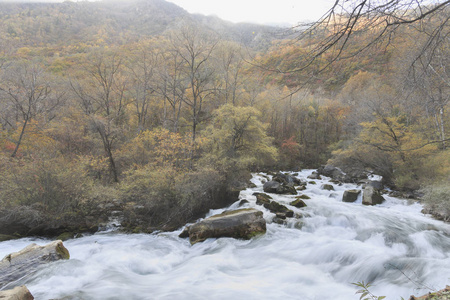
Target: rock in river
(17, 293)
(350, 195)
(241, 223)
(19, 264)
(278, 188)
(371, 196)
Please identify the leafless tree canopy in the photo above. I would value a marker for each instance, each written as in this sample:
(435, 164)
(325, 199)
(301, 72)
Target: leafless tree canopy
(382, 19)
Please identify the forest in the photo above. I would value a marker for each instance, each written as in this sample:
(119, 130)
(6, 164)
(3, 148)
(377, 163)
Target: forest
(141, 105)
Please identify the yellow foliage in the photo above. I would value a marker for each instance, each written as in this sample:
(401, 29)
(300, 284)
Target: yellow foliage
(236, 138)
(162, 148)
(35, 139)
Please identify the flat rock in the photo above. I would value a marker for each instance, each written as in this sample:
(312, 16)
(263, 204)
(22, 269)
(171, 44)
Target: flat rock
(19, 264)
(242, 224)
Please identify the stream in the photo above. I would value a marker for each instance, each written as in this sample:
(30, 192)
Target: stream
(395, 247)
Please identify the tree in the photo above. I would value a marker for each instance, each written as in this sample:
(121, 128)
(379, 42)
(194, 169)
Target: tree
(236, 139)
(28, 90)
(195, 49)
(230, 68)
(432, 79)
(142, 67)
(172, 86)
(341, 26)
(102, 96)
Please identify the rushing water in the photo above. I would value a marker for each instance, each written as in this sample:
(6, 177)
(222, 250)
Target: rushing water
(393, 246)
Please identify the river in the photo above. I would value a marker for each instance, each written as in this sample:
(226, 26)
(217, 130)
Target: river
(396, 248)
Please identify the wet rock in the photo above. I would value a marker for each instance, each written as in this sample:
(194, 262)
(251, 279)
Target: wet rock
(371, 196)
(333, 172)
(19, 264)
(303, 196)
(312, 182)
(278, 220)
(286, 179)
(327, 187)
(299, 203)
(243, 202)
(276, 187)
(298, 225)
(242, 224)
(314, 175)
(262, 198)
(276, 207)
(301, 188)
(350, 195)
(65, 236)
(184, 233)
(281, 216)
(17, 293)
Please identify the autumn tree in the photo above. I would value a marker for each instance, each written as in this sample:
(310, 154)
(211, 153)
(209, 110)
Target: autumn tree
(28, 92)
(101, 93)
(230, 65)
(195, 49)
(142, 68)
(172, 86)
(379, 21)
(236, 139)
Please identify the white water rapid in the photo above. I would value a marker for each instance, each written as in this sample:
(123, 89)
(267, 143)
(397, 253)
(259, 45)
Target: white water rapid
(393, 246)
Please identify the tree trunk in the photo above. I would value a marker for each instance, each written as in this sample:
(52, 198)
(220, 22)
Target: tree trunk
(20, 137)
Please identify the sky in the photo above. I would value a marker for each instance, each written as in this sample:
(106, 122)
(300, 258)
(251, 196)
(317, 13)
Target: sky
(259, 11)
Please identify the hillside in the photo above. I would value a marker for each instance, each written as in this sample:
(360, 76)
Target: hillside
(114, 22)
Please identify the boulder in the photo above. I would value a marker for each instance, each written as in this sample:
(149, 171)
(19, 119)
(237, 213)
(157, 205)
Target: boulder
(333, 172)
(17, 293)
(286, 179)
(276, 207)
(327, 187)
(262, 198)
(243, 202)
(371, 196)
(279, 220)
(314, 175)
(281, 216)
(276, 187)
(303, 196)
(299, 203)
(350, 195)
(378, 185)
(18, 264)
(241, 223)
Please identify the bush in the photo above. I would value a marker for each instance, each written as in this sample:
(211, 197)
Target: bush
(54, 185)
(169, 199)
